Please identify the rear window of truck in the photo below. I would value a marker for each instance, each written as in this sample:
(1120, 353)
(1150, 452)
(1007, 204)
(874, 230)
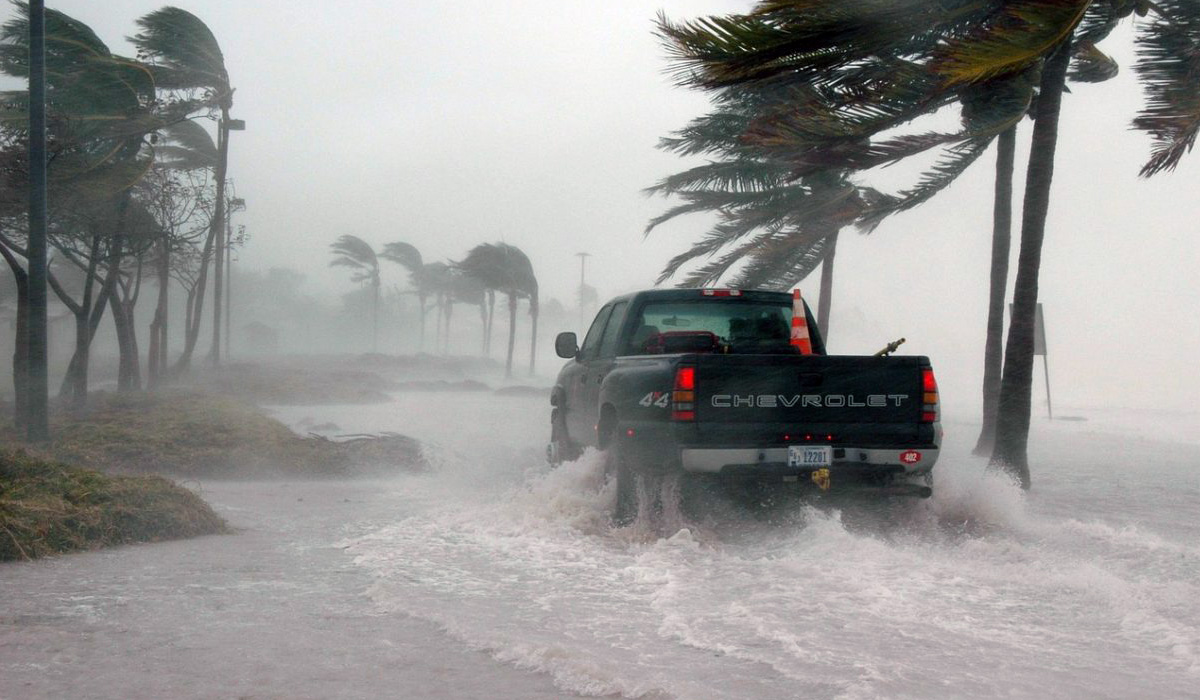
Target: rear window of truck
(706, 325)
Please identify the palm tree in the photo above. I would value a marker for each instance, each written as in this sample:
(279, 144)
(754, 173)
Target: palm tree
(184, 55)
(407, 256)
(853, 80)
(459, 287)
(358, 255)
(506, 269)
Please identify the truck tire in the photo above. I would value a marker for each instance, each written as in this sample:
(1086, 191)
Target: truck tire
(560, 449)
(635, 482)
(625, 510)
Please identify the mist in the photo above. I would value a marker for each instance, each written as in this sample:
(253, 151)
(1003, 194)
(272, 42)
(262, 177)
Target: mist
(377, 455)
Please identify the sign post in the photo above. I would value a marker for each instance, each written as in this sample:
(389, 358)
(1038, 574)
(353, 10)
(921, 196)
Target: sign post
(1039, 348)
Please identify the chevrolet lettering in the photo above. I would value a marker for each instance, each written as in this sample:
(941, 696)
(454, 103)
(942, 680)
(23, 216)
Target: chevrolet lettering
(721, 387)
(806, 400)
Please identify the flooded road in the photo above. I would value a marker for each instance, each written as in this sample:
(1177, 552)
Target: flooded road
(494, 576)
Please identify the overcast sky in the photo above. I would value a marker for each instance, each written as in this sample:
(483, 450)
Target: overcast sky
(447, 124)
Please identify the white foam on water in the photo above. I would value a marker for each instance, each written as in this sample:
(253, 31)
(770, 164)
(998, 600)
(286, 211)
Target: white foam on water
(979, 591)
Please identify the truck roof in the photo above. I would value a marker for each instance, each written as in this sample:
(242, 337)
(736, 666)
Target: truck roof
(692, 294)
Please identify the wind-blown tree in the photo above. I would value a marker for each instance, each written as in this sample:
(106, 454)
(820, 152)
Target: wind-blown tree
(843, 59)
(184, 55)
(460, 288)
(187, 148)
(506, 269)
(420, 279)
(102, 107)
(358, 255)
(173, 191)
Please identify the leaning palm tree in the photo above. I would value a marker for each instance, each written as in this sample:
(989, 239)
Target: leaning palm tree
(184, 55)
(358, 255)
(407, 256)
(506, 269)
(842, 66)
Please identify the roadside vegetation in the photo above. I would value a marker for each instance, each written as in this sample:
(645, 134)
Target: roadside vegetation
(47, 507)
(195, 435)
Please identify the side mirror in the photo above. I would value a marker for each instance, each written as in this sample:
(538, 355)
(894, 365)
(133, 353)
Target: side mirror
(566, 345)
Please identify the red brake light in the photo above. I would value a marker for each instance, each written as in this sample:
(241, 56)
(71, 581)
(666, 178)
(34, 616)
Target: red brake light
(929, 403)
(683, 398)
(721, 292)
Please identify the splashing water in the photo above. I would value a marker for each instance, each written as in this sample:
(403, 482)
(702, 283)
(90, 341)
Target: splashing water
(982, 590)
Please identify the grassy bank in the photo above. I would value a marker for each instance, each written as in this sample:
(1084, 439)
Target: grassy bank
(49, 507)
(197, 435)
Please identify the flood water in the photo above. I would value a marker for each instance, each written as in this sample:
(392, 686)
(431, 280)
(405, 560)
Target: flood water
(494, 576)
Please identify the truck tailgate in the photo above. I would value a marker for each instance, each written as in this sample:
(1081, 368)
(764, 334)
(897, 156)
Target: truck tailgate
(808, 389)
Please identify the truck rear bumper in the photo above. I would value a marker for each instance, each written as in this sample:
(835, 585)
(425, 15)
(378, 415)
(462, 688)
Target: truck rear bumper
(773, 461)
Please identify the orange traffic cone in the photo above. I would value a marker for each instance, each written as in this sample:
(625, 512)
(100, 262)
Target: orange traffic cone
(800, 325)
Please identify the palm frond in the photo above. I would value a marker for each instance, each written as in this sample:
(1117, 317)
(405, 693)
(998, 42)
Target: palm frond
(943, 173)
(1169, 67)
(184, 51)
(403, 254)
(352, 251)
(1018, 34)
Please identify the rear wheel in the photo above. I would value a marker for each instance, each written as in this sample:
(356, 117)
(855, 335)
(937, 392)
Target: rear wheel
(625, 510)
(641, 486)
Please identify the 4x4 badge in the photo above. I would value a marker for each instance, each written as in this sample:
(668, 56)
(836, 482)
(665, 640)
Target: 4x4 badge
(661, 399)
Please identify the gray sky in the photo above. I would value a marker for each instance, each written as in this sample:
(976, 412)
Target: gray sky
(449, 124)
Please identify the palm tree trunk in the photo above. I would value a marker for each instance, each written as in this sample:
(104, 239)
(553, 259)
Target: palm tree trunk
(1012, 421)
(20, 363)
(424, 309)
(218, 224)
(533, 313)
(483, 325)
(446, 340)
(491, 316)
(440, 306)
(826, 285)
(993, 352)
(512, 331)
(375, 315)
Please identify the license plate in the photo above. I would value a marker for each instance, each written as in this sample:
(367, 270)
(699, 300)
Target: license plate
(810, 456)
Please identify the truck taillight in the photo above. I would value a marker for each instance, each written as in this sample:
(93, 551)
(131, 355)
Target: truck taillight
(722, 292)
(929, 400)
(683, 396)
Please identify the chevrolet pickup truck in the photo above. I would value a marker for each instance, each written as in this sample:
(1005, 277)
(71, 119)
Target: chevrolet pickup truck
(707, 383)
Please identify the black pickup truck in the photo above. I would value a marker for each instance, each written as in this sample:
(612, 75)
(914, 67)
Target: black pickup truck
(708, 383)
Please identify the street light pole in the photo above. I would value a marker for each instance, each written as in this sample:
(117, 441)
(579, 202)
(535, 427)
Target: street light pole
(582, 264)
(37, 387)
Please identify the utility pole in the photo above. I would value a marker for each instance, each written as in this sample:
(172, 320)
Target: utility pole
(235, 204)
(224, 126)
(582, 264)
(37, 382)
